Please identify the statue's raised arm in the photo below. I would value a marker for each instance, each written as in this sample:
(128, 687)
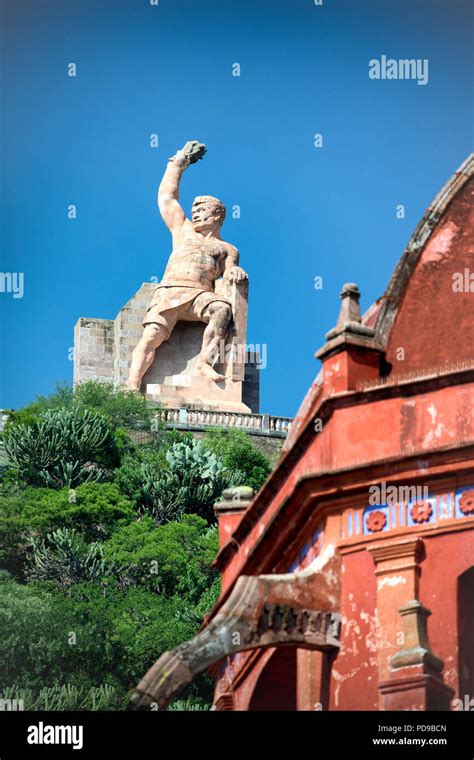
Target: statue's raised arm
(168, 191)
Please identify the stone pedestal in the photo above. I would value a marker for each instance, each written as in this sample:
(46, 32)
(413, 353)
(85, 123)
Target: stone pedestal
(196, 393)
(103, 350)
(409, 673)
(397, 569)
(416, 689)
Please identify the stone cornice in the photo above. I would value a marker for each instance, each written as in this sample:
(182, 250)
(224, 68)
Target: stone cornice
(410, 548)
(346, 340)
(361, 543)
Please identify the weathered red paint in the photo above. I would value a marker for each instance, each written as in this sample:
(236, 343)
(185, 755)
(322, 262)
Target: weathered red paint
(430, 307)
(404, 421)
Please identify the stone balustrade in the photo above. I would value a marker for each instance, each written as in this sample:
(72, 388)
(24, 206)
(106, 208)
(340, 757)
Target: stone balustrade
(201, 418)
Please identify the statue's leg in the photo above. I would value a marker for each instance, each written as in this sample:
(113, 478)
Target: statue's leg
(144, 353)
(218, 314)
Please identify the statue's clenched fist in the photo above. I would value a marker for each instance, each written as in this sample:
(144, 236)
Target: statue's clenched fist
(189, 154)
(194, 150)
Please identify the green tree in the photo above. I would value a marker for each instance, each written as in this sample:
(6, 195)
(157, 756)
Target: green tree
(237, 452)
(62, 398)
(94, 509)
(89, 638)
(174, 558)
(12, 539)
(52, 639)
(121, 407)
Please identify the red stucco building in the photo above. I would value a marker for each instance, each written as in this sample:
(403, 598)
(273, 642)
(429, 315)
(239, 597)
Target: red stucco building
(348, 580)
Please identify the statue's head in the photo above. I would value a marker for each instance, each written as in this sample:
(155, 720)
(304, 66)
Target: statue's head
(207, 214)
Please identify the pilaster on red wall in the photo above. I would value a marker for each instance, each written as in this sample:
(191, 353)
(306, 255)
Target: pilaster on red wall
(409, 672)
(313, 680)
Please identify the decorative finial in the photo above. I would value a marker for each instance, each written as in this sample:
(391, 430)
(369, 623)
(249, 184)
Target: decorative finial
(350, 308)
(349, 321)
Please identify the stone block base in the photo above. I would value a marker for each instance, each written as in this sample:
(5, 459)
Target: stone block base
(413, 689)
(103, 351)
(198, 393)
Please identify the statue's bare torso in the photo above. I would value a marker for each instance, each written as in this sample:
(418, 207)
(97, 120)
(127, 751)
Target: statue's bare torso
(196, 259)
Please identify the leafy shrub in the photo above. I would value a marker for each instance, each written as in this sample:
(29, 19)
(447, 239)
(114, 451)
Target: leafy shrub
(12, 539)
(29, 414)
(169, 559)
(34, 643)
(237, 452)
(94, 509)
(193, 614)
(120, 406)
(62, 448)
(86, 638)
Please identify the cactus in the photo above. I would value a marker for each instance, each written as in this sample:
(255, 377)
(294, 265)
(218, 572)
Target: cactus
(63, 448)
(193, 455)
(195, 478)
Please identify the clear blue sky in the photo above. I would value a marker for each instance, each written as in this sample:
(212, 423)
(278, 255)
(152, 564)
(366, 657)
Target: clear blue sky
(305, 212)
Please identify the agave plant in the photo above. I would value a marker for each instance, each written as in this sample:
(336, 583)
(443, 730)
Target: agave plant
(189, 704)
(61, 697)
(64, 557)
